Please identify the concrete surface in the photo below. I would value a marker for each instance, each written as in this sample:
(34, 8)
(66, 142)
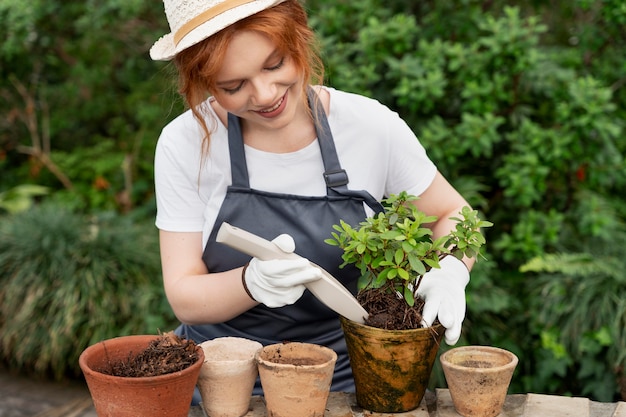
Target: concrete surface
(26, 397)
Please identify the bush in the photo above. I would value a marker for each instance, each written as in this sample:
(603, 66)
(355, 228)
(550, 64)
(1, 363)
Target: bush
(580, 313)
(527, 127)
(69, 281)
(82, 102)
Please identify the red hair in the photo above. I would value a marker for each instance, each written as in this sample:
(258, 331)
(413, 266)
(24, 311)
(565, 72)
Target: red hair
(285, 24)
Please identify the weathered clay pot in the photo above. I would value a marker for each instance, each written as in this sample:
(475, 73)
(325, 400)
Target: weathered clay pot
(227, 376)
(159, 396)
(478, 378)
(296, 378)
(391, 368)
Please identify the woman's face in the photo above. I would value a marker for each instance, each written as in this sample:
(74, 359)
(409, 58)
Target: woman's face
(258, 83)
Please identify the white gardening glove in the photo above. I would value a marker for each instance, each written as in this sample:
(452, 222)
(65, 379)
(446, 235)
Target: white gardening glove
(279, 282)
(443, 291)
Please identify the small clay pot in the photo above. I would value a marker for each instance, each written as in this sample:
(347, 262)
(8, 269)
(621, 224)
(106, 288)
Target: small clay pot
(227, 376)
(166, 395)
(296, 378)
(478, 378)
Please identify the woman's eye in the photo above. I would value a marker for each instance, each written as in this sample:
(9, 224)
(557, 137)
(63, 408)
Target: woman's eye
(234, 89)
(277, 66)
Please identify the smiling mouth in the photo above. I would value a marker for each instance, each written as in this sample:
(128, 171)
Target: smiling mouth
(274, 107)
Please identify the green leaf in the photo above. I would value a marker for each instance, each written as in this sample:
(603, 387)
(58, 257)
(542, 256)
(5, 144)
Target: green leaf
(402, 273)
(408, 297)
(417, 265)
(399, 256)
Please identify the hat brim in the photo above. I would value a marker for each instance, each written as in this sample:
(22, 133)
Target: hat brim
(165, 49)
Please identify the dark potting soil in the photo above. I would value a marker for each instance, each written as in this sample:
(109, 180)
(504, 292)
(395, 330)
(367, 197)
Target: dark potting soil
(297, 361)
(164, 355)
(388, 311)
(476, 364)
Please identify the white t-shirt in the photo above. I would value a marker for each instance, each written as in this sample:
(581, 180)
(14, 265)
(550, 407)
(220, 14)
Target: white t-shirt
(377, 149)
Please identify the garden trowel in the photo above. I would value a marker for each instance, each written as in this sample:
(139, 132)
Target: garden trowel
(327, 289)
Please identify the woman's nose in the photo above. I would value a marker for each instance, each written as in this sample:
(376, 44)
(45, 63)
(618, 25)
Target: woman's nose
(264, 93)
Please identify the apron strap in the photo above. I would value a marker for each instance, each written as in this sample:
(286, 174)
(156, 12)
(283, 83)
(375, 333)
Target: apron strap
(238, 167)
(336, 177)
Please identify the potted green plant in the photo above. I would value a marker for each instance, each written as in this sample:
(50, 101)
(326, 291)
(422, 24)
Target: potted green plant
(391, 354)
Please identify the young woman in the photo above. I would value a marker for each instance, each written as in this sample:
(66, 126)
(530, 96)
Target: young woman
(266, 148)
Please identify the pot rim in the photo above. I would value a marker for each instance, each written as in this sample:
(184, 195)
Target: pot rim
(436, 326)
(331, 356)
(512, 363)
(221, 342)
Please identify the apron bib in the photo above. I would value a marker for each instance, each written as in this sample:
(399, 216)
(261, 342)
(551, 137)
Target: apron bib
(309, 221)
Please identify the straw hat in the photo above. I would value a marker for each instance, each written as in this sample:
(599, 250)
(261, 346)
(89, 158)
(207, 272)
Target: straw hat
(192, 21)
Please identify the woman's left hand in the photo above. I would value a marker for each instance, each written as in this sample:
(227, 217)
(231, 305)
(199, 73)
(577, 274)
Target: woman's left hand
(443, 291)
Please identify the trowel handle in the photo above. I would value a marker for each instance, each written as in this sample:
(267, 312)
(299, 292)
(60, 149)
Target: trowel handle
(250, 243)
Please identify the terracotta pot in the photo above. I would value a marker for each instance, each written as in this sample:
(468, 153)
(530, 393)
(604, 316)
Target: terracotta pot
(478, 378)
(391, 368)
(296, 378)
(227, 376)
(159, 396)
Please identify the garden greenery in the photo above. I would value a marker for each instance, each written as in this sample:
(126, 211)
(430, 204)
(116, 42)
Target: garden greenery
(522, 109)
(70, 280)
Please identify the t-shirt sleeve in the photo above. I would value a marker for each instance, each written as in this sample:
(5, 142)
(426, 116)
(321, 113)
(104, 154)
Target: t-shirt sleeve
(176, 167)
(409, 169)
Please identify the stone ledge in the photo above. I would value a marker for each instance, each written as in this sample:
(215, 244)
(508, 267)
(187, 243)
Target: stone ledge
(439, 404)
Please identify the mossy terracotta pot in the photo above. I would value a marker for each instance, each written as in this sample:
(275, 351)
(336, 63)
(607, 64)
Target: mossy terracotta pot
(228, 374)
(478, 378)
(166, 395)
(391, 368)
(296, 378)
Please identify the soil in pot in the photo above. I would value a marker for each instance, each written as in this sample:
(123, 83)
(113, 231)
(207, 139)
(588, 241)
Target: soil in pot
(164, 355)
(388, 311)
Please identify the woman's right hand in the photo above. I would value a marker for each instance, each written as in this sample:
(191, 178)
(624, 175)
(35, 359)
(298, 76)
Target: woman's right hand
(279, 282)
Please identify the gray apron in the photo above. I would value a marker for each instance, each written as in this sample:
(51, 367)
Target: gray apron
(309, 221)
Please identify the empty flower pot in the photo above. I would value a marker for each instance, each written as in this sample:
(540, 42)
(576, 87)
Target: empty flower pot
(296, 378)
(227, 376)
(478, 378)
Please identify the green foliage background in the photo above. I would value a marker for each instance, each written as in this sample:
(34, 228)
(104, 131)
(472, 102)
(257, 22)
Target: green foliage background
(522, 108)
